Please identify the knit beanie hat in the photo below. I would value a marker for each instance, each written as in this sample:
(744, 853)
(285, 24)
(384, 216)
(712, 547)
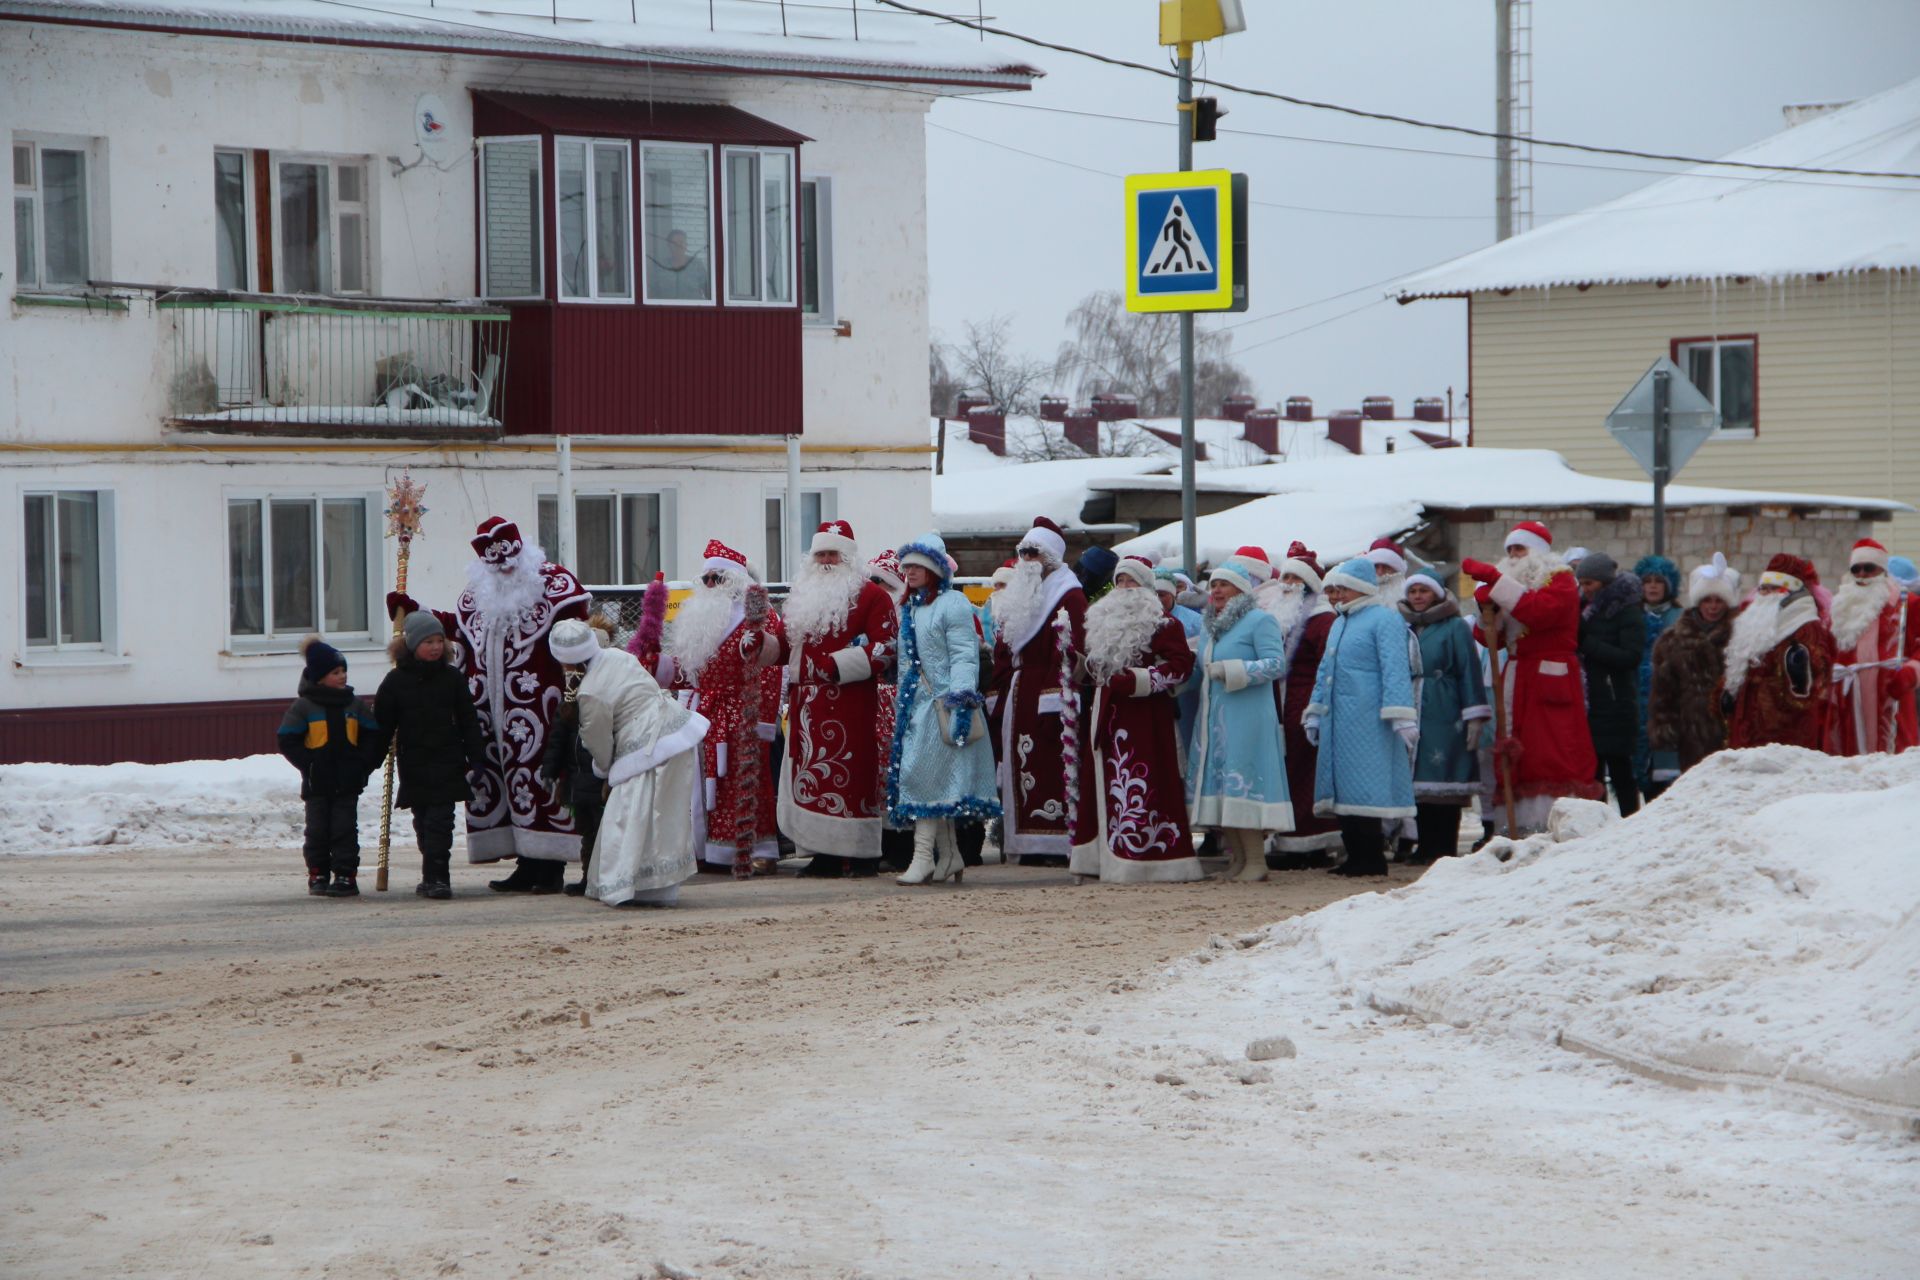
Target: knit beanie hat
(1597, 566)
(420, 627)
(322, 660)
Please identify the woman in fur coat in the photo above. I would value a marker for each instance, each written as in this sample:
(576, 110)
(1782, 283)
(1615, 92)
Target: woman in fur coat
(1684, 724)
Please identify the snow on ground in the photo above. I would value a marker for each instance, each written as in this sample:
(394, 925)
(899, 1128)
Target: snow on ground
(58, 808)
(1758, 925)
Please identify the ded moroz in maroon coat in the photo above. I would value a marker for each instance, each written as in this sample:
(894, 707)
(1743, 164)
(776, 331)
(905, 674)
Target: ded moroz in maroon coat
(1310, 833)
(1035, 715)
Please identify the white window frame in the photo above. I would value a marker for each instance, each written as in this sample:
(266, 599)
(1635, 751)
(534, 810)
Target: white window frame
(669, 497)
(592, 211)
(1718, 345)
(275, 159)
(93, 159)
(270, 641)
(250, 249)
(791, 159)
(107, 496)
(539, 221)
(714, 285)
(826, 316)
(829, 496)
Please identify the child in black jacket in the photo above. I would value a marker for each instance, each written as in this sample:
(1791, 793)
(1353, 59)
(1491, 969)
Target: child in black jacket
(331, 737)
(424, 706)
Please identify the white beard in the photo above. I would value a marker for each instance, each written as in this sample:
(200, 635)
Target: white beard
(1120, 627)
(1752, 638)
(1531, 570)
(703, 621)
(821, 598)
(1288, 606)
(503, 596)
(1393, 588)
(1017, 607)
(1856, 606)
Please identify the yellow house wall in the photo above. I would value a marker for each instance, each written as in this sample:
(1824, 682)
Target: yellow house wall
(1838, 367)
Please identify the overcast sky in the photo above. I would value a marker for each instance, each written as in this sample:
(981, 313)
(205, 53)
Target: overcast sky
(1028, 237)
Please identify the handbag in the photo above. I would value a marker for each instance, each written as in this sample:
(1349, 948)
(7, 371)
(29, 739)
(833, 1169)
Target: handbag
(976, 728)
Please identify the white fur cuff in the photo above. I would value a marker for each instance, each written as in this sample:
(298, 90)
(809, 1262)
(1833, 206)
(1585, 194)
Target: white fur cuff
(1507, 592)
(1142, 681)
(1236, 675)
(852, 665)
(1399, 713)
(1471, 714)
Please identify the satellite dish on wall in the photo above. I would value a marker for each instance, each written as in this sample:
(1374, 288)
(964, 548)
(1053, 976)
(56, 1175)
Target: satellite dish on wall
(433, 129)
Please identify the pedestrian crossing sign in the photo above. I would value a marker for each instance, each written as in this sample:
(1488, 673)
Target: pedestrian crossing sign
(1186, 241)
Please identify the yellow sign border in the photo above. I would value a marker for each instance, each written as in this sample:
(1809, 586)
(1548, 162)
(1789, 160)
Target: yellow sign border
(1220, 299)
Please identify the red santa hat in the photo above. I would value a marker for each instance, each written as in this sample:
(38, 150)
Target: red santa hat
(1713, 578)
(1004, 574)
(1867, 551)
(886, 567)
(497, 539)
(1257, 557)
(1386, 554)
(835, 535)
(1789, 571)
(1046, 535)
(1304, 565)
(1530, 534)
(1138, 568)
(721, 558)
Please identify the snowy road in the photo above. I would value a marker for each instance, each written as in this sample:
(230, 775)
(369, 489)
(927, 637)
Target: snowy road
(204, 1074)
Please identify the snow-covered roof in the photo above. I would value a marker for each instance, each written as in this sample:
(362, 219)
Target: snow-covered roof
(1714, 223)
(1339, 505)
(812, 39)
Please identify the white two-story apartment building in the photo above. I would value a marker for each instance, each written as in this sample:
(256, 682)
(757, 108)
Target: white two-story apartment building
(264, 257)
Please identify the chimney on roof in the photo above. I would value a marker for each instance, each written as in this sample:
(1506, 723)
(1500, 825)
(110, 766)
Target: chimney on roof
(1299, 408)
(1261, 429)
(1236, 408)
(1116, 407)
(1379, 408)
(1053, 408)
(1343, 429)
(987, 426)
(1429, 409)
(966, 404)
(1083, 431)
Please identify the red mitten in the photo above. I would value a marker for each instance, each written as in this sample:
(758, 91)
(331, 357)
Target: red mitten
(1508, 750)
(1480, 571)
(399, 602)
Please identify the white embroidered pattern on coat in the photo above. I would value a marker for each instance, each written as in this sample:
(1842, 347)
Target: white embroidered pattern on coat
(1137, 830)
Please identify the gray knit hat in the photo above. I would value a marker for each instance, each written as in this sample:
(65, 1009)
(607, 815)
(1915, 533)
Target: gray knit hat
(420, 627)
(1598, 566)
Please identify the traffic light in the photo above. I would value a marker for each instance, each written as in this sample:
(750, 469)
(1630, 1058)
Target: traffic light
(1206, 118)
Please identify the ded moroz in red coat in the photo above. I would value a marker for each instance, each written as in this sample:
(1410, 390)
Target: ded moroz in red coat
(1142, 809)
(832, 799)
(1871, 681)
(1781, 680)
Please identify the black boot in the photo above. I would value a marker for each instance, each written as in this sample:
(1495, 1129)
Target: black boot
(548, 876)
(343, 887)
(520, 880)
(825, 866)
(316, 884)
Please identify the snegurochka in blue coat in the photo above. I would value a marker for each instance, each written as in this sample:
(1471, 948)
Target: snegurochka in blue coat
(1236, 767)
(1363, 719)
(941, 766)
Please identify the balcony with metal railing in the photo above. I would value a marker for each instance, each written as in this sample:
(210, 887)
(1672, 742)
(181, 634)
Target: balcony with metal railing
(278, 364)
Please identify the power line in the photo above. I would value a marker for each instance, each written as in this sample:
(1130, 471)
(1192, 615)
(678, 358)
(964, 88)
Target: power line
(1389, 117)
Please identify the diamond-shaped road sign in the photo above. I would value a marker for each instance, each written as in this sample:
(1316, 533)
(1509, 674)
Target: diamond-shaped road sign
(1691, 419)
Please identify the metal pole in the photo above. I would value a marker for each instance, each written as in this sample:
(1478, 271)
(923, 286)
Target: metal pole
(1189, 558)
(791, 540)
(1662, 454)
(1503, 118)
(563, 502)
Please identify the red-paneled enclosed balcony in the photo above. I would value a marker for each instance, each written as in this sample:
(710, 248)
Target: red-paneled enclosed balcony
(648, 253)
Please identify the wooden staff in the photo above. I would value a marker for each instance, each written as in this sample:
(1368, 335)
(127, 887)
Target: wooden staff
(1494, 629)
(403, 521)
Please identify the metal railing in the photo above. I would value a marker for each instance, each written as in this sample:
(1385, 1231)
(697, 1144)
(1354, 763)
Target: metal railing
(376, 364)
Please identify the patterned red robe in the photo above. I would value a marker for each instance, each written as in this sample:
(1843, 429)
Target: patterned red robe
(1768, 708)
(1030, 708)
(1866, 713)
(732, 692)
(1546, 691)
(516, 685)
(832, 790)
(1310, 833)
(1136, 766)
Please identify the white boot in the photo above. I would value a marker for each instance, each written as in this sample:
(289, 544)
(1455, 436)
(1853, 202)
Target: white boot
(925, 832)
(949, 865)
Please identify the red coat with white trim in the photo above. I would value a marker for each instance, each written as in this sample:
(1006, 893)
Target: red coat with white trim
(1867, 695)
(1546, 695)
(832, 784)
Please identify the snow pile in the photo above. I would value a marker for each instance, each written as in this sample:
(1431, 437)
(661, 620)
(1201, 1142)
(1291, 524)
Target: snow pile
(1757, 925)
(58, 808)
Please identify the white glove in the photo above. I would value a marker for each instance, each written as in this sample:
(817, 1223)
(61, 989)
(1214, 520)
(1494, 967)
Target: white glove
(1311, 727)
(1409, 731)
(1475, 730)
(1217, 671)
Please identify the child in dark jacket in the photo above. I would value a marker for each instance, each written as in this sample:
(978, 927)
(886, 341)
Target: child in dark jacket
(332, 738)
(424, 706)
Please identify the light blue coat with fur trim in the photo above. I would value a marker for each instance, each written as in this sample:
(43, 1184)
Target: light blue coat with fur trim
(928, 775)
(1236, 765)
(1364, 686)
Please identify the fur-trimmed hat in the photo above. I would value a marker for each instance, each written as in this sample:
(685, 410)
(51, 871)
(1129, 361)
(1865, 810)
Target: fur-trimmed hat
(1902, 571)
(1257, 557)
(835, 535)
(573, 642)
(1137, 568)
(929, 551)
(1867, 551)
(1045, 535)
(886, 568)
(496, 540)
(1357, 574)
(721, 558)
(1240, 572)
(1659, 567)
(1386, 554)
(1004, 574)
(1304, 565)
(1713, 578)
(1423, 578)
(1795, 573)
(1530, 534)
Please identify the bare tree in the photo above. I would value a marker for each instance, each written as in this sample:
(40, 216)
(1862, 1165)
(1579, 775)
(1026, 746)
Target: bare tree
(984, 361)
(1114, 350)
(1115, 440)
(942, 387)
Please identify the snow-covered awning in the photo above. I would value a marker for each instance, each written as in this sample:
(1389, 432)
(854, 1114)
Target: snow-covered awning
(1718, 224)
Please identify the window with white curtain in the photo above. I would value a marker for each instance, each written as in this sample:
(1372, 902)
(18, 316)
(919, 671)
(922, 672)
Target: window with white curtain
(300, 563)
(67, 547)
(620, 536)
(760, 225)
(1727, 372)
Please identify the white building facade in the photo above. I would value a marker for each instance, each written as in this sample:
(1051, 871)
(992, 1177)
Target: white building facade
(255, 273)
